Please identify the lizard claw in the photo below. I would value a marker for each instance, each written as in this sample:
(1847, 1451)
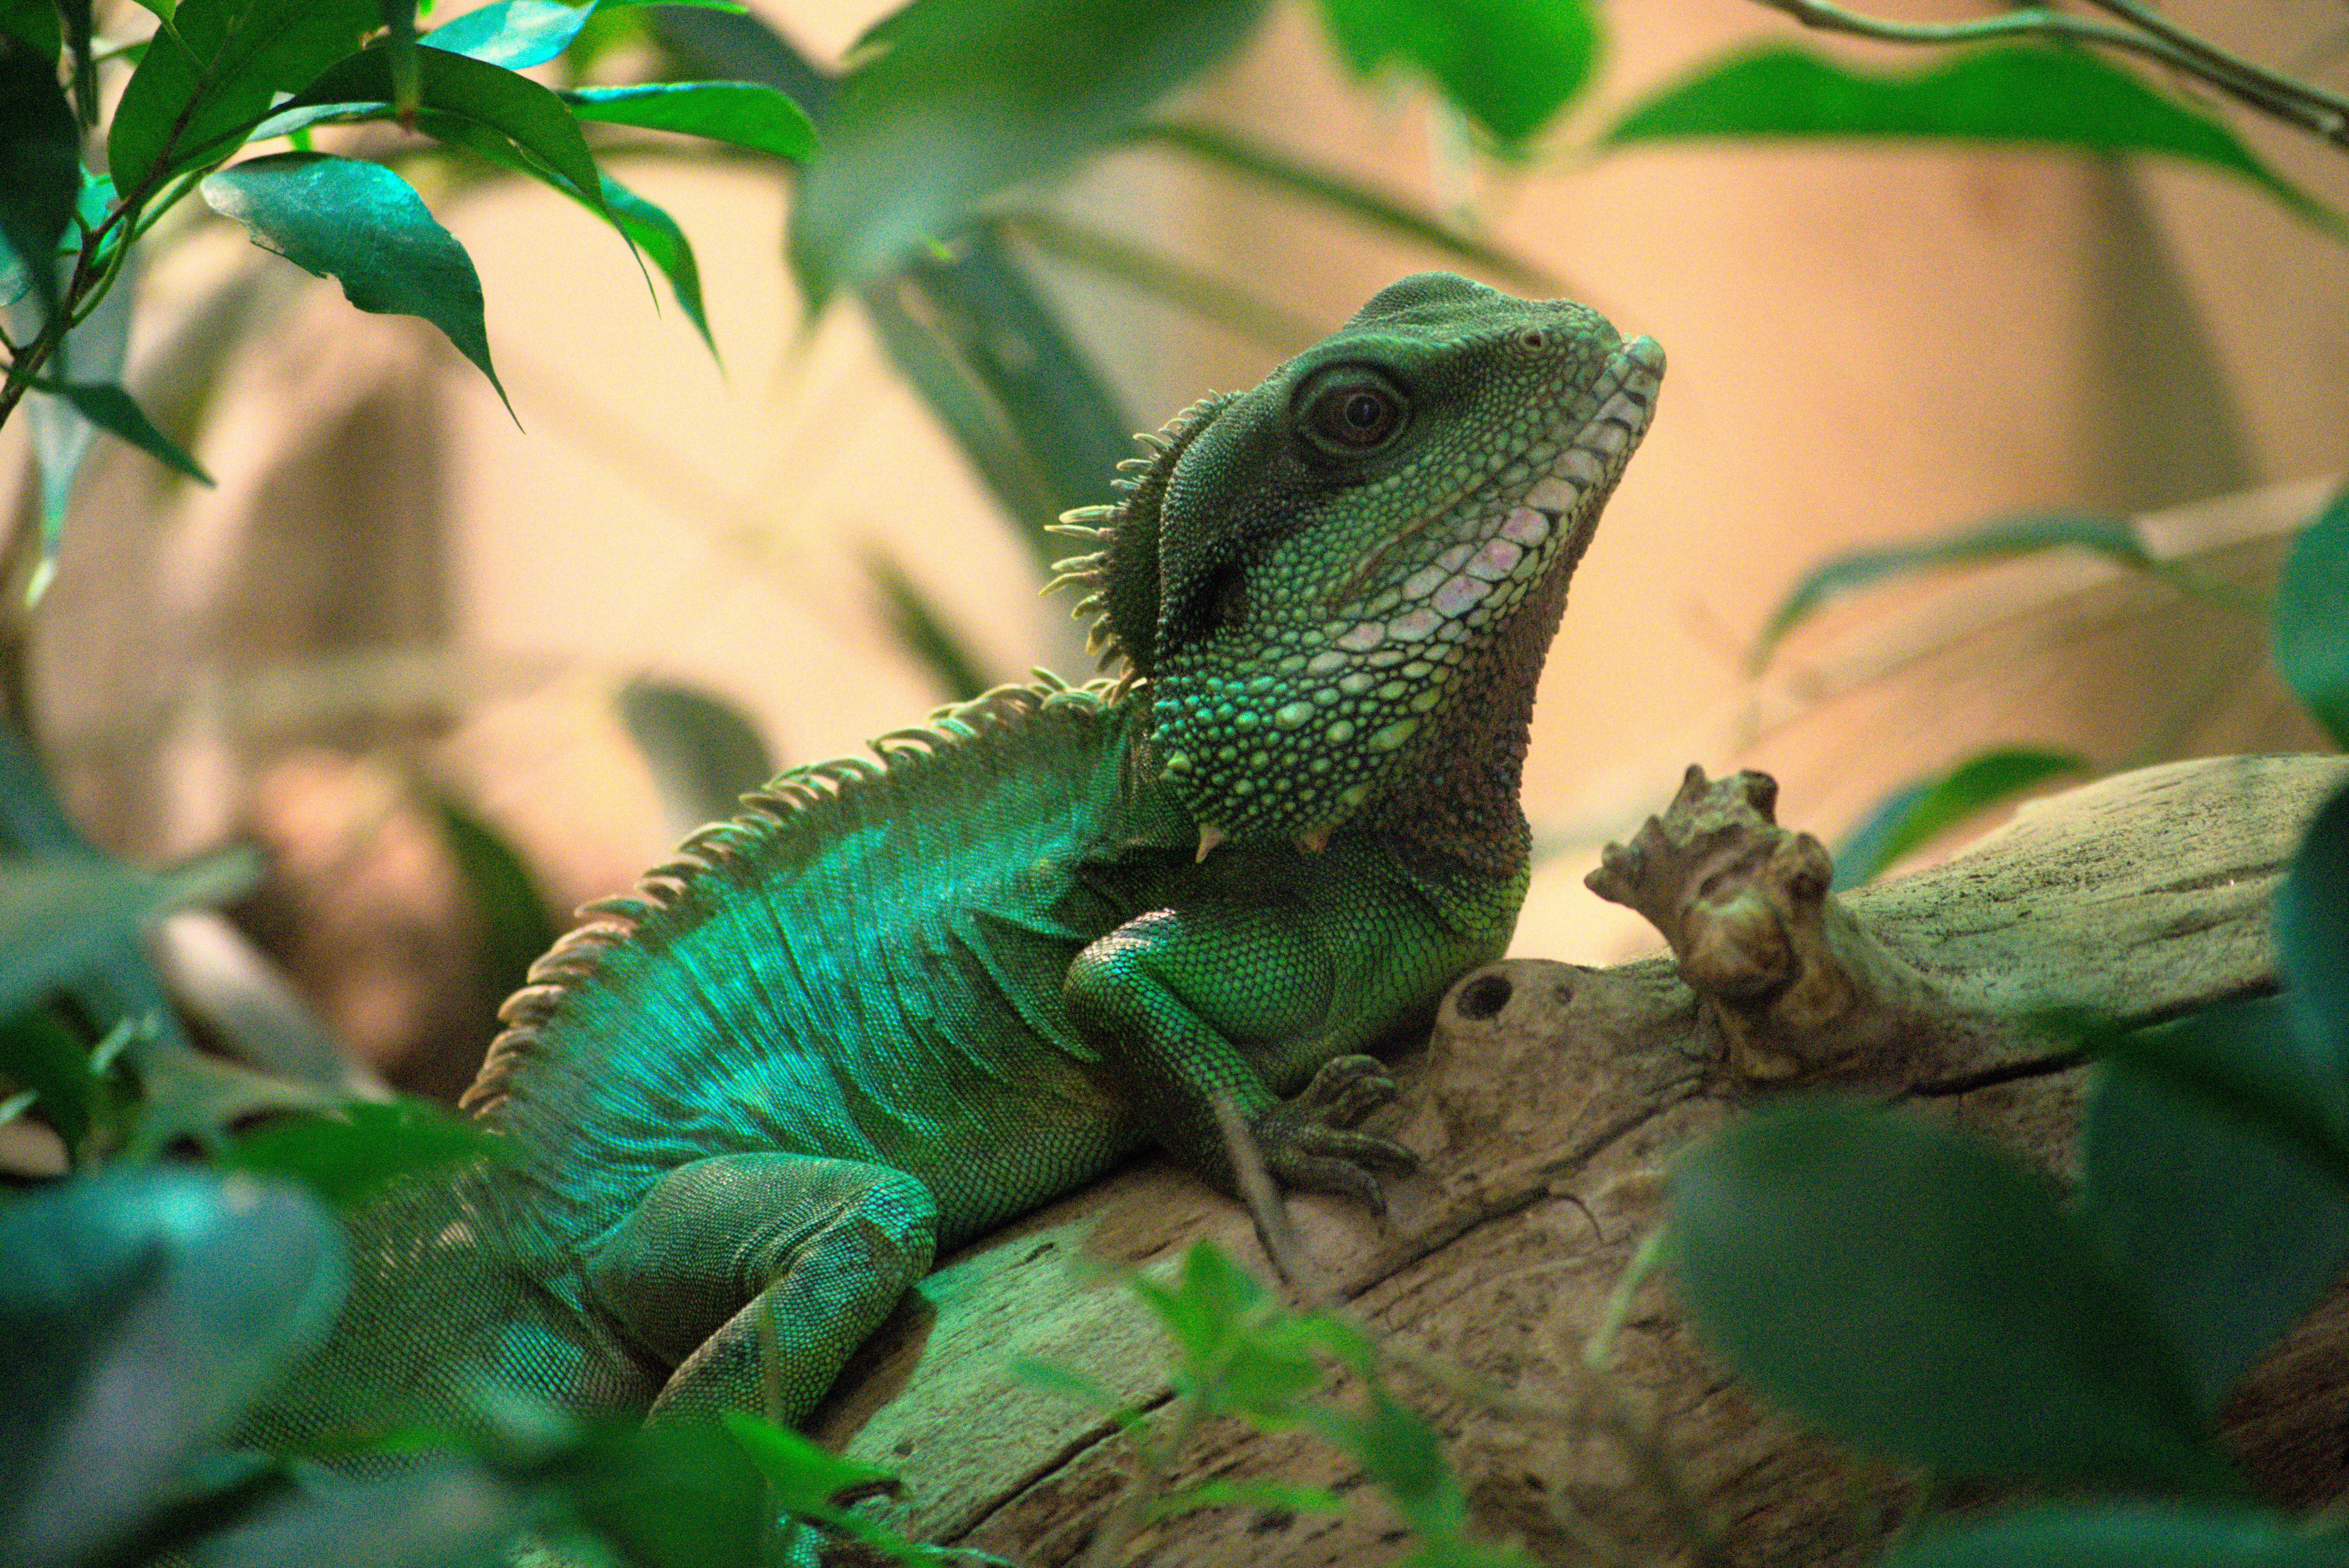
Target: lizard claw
(1346, 1090)
(1308, 1142)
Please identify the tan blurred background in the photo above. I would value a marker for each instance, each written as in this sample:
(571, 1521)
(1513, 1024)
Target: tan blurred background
(1867, 345)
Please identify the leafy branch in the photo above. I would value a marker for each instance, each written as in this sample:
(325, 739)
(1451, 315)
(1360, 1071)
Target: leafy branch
(2146, 33)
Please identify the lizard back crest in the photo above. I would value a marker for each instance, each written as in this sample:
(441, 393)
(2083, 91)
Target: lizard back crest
(805, 806)
(1119, 578)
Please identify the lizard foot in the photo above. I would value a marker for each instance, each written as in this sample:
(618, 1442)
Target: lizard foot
(1309, 1141)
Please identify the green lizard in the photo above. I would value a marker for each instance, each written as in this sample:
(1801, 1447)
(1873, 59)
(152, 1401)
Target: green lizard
(890, 1007)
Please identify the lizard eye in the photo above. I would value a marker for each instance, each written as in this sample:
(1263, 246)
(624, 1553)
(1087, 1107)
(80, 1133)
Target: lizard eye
(1351, 413)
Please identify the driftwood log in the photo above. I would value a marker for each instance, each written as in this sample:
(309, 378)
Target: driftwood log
(1547, 1110)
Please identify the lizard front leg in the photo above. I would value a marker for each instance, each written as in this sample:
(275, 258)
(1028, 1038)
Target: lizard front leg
(1190, 1005)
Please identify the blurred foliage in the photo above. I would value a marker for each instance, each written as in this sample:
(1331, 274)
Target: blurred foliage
(2311, 606)
(1239, 1352)
(2052, 97)
(517, 924)
(1913, 1289)
(1910, 818)
(2084, 1344)
(703, 755)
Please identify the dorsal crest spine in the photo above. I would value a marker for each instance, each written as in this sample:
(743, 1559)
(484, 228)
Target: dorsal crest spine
(1119, 578)
(803, 804)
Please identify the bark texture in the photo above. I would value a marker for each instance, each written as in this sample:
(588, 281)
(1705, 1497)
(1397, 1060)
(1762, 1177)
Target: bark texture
(1547, 1110)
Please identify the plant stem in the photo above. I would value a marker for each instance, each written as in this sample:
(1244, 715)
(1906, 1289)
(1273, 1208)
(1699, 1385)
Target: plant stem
(27, 361)
(90, 280)
(2149, 35)
(2335, 128)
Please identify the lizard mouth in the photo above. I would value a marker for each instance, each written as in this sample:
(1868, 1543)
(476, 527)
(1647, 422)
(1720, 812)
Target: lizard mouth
(1514, 542)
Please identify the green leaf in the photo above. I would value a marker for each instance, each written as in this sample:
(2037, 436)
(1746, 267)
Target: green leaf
(2125, 1535)
(963, 99)
(143, 1310)
(208, 78)
(741, 114)
(517, 924)
(1265, 1493)
(1239, 1352)
(1994, 541)
(529, 115)
(673, 1494)
(185, 1096)
(742, 46)
(2312, 618)
(652, 231)
(974, 335)
(367, 228)
(520, 34)
(39, 1054)
(1398, 1450)
(1914, 815)
(2303, 1107)
(2228, 1231)
(922, 629)
(703, 755)
(35, 25)
(999, 368)
(120, 989)
(1230, 152)
(1508, 64)
(60, 916)
(348, 1158)
(515, 34)
(92, 355)
(645, 226)
(2313, 946)
(1209, 1307)
(1910, 1289)
(113, 410)
(804, 1476)
(2054, 97)
(40, 164)
(399, 43)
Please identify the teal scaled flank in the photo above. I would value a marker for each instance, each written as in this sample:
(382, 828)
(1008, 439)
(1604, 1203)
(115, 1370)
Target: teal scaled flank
(890, 1006)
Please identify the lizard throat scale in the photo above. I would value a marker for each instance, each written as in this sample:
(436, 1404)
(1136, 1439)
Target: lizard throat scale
(895, 1002)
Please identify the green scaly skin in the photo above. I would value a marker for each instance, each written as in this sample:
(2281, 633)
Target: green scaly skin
(890, 1006)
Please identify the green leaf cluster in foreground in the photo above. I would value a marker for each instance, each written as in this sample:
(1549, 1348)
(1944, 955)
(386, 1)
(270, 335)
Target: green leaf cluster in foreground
(1239, 1352)
(1907, 1286)
(149, 1306)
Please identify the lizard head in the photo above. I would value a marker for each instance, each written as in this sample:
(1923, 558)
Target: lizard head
(1304, 572)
